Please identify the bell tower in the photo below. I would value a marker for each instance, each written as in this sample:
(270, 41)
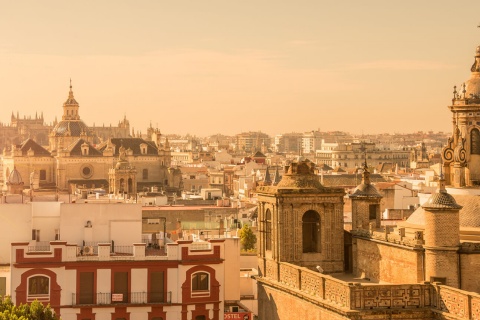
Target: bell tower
(461, 155)
(70, 107)
(301, 221)
(365, 204)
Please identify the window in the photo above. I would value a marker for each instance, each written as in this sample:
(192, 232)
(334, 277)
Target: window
(38, 286)
(311, 232)
(36, 234)
(475, 141)
(85, 295)
(43, 175)
(145, 174)
(3, 286)
(200, 281)
(157, 286)
(372, 211)
(268, 230)
(120, 287)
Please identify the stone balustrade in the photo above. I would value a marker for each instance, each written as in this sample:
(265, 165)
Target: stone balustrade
(355, 296)
(455, 302)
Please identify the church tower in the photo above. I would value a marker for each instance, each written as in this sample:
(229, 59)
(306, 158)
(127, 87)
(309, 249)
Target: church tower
(442, 237)
(300, 222)
(365, 204)
(461, 155)
(70, 107)
(122, 177)
(70, 128)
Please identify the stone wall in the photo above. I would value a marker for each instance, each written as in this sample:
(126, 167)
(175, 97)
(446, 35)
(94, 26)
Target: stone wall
(287, 291)
(387, 262)
(469, 268)
(277, 305)
(449, 303)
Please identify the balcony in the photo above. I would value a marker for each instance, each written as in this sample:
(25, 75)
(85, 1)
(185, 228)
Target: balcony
(39, 246)
(109, 298)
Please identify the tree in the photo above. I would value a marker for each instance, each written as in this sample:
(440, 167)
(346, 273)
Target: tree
(247, 238)
(34, 311)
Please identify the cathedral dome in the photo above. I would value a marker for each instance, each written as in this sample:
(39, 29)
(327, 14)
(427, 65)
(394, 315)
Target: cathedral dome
(472, 85)
(15, 177)
(72, 128)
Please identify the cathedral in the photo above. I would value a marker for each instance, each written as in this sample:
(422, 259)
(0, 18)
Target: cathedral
(76, 156)
(425, 267)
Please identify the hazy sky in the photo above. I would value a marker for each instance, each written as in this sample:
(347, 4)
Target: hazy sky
(205, 67)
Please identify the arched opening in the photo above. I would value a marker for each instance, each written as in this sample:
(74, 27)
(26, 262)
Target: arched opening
(200, 281)
(475, 141)
(268, 230)
(122, 185)
(311, 232)
(38, 286)
(130, 185)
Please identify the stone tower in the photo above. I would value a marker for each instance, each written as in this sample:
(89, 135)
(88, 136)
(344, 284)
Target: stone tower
(122, 177)
(461, 155)
(365, 204)
(301, 221)
(71, 127)
(442, 237)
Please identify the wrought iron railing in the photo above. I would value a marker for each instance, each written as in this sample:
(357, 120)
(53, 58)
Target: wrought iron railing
(105, 298)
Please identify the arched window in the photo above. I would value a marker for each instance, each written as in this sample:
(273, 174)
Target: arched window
(268, 230)
(311, 232)
(475, 141)
(200, 281)
(38, 286)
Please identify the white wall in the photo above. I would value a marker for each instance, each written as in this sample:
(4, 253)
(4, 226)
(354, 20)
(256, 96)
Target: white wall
(15, 226)
(120, 222)
(46, 218)
(232, 268)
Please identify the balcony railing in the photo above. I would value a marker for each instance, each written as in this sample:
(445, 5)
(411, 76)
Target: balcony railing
(40, 246)
(106, 298)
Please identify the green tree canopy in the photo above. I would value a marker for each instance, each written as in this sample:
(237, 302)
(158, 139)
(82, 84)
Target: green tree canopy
(247, 238)
(34, 311)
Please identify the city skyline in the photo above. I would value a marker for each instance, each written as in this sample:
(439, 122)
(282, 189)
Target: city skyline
(215, 67)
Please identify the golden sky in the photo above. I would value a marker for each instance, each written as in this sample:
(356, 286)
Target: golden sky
(206, 67)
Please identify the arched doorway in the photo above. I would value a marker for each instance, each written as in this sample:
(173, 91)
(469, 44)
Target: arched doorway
(311, 232)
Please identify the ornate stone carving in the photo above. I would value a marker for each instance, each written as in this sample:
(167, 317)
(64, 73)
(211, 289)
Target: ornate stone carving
(311, 284)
